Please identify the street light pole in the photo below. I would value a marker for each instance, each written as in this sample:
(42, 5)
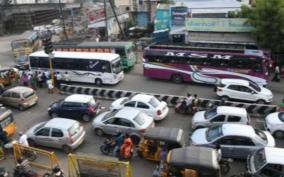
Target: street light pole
(106, 28)
(62, 19)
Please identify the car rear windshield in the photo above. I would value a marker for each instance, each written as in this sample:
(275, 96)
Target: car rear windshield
(139, 119)
(109, 115)
(214, 132)
(261, 135)
(124, 101)
(210, 113)
(281, 116)
(74, 129)
(154, 102)
(28, 94)
(254, 86)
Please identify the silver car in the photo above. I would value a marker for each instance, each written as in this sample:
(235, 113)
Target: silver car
(235, 140)
(57, 133)
(126, 120)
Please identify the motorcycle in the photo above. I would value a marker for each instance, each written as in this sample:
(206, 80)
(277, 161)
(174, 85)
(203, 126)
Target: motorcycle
(56, 172)
(108, 147)
(19, 171)
(182, 108)
(3, 172)
(27, 154)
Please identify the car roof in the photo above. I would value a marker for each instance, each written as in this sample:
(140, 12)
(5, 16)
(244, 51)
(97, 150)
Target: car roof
(230, 110)
(274, 155)
(20, 89)
(238, 130)
(60, 123)
(78, 98)
(130, 113)
(235, 81)
(142, 97)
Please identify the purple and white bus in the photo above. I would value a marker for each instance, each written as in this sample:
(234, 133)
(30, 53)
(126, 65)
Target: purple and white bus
(203, 66)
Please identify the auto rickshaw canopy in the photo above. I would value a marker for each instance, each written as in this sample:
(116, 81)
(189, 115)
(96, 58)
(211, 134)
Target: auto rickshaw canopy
(193, 157)
(166, 134)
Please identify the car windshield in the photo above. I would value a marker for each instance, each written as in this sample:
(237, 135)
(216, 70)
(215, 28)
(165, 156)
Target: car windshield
(28, 94)
(116, 67)
(92, 102)
(281, 116)
(74, 129)
(139, 119)
(261, 135)
(254, 86)
(214, 132)
(109, 115)
(40, 126)
(259, 159)
(210, 113)
(154, 102)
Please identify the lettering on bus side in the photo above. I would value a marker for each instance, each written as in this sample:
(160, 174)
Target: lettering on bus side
(198, 55)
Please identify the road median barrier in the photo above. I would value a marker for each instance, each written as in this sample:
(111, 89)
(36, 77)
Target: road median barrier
(256, 110)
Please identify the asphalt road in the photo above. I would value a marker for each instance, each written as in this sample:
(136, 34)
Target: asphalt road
(135, 81)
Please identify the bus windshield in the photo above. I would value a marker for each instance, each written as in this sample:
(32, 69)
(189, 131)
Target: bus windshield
(116, 67)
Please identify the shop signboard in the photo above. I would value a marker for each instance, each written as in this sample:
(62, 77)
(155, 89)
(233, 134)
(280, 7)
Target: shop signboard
(218, 25)
(179, 14)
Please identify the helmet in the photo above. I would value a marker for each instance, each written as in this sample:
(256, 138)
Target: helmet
(21, 133)
(56, 169)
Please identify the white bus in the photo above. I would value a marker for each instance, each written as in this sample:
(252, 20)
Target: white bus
(88, 67)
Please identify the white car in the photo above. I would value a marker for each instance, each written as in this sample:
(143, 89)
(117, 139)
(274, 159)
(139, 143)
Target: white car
(235, 140)
(274, 123)
(126, 120)
(220, 115)
(146, 103)
(243, 90)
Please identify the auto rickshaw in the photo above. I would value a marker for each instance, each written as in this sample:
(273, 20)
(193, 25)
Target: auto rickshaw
(7, 75)
(159, 139)
(191, 161)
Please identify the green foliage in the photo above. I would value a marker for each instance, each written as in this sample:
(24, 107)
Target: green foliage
(244, 13)
(267, 16)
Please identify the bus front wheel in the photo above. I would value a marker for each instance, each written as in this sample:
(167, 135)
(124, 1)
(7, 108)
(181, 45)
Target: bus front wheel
(176, 78)
(98, 82)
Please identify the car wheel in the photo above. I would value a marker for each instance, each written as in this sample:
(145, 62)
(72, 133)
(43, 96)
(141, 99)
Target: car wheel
(176, 78)
(135, 139)
(279, 134)
(67, 149)
(31, 142)
(86, 118)
(224, 98)
(21, 107)
(98, 82)
(260, 102)
(53, 115)
(99, 132)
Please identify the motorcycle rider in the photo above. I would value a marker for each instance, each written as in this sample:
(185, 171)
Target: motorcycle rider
(23, 167)
(118, 142)
(23, 140)
(195, 102)
(126, 147)
(189, 100)
(57, 172)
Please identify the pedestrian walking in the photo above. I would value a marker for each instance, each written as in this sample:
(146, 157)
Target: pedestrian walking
(44, 79)
(50, 86)
(66, 77)
(58, 79)
(33, 82)
(39, 79)
(276, 74)
(24, 79)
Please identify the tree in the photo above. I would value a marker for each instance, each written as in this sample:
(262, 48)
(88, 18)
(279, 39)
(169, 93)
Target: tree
(267, 16)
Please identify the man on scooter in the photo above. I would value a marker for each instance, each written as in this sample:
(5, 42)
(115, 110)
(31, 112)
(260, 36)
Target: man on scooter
(189, 100)
(125, 149)
(118, 142)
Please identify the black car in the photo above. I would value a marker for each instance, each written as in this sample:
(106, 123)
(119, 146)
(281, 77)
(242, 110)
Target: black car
(77, 106)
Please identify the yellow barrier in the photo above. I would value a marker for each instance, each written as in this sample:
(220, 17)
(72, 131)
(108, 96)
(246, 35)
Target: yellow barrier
(84, 165)
(37, 157)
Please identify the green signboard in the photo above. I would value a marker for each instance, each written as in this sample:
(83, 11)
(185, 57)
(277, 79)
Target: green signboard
(218, 25)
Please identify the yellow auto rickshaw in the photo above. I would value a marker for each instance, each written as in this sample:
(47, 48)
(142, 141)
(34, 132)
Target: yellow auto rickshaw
(191, 161)
(7, 75)
(159, 139)
(7, 121)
